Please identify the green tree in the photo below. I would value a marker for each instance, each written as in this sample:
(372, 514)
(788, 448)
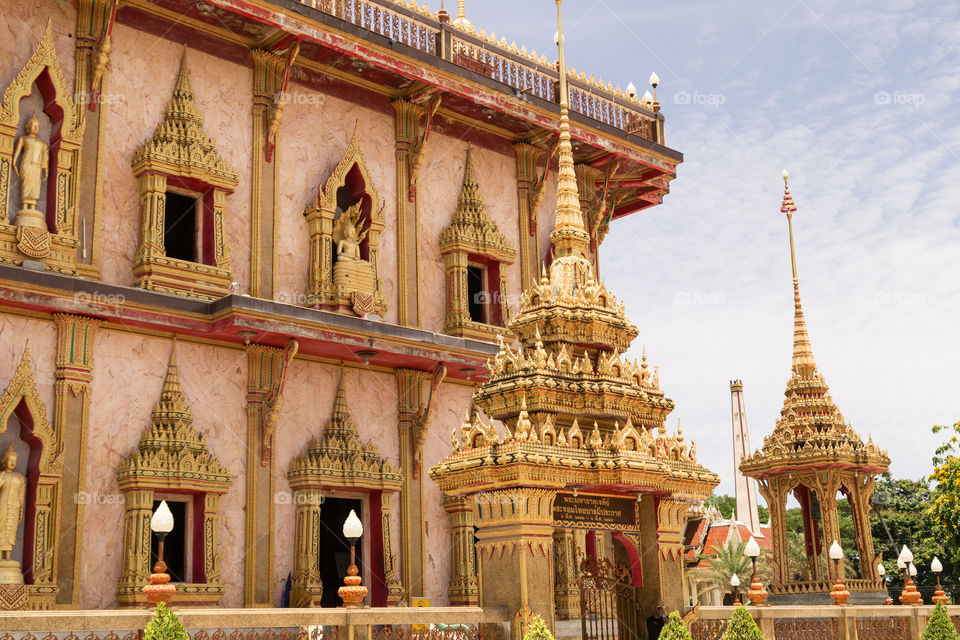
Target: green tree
(939, 627)
(742, 626)
(164, 626)
(945, 505)
(674, 629)
(538, 631)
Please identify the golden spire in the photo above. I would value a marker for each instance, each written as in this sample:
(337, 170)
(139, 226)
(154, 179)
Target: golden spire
(802, 350)
(569, 237)
(461, 10)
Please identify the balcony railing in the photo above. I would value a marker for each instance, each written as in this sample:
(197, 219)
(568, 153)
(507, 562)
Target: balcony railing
(526, 73)
(393, 623)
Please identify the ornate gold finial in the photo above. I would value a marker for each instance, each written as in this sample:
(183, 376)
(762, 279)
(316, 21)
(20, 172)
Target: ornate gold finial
(802, 350)
(461, 10)
(570, 239)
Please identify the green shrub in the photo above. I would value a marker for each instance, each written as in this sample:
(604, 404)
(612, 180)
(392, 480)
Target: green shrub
(164, 626)
(538, 630)
(674, 629)
(742, 626)
(939, 627)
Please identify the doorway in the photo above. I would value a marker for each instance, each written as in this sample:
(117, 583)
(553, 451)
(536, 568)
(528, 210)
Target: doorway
(334, 556)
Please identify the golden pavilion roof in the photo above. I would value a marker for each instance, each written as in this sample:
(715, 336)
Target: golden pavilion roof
(575, 410)
(811, 432)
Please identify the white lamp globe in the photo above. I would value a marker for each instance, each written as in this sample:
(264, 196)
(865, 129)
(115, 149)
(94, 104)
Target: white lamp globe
(901, 564)
(936, 566)
(836, 552)
(734, 580)
(654, 80)
(556, 38)
(881, 571)
(632, 90)
(162, 520)
(785, 174)
(913, 570)
(906, 555)
(753, 549)
(352, 528)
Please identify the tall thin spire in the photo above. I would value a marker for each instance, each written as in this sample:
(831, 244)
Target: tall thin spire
(802, 350)
(569, 237)
(461, 10)
(745, 488)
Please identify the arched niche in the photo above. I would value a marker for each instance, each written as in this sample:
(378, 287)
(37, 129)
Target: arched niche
(44, 471)
(57, 245)
(349, 196)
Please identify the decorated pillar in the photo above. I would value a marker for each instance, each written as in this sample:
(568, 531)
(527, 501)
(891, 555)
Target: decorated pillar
(271, 73)
(464, 588)
(413, 554)
(860, 491)
(671, 521)
(515, 550)
(566, 590)
(266, 371)
(530, 190)
(306, 589)
(412, 130)
(776, 499)
(95, 20)
(70, 423)
(138, 509)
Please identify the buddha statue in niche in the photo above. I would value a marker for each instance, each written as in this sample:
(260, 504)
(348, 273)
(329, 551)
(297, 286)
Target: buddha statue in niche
(351, 273)
(13, 489)
(31, 162)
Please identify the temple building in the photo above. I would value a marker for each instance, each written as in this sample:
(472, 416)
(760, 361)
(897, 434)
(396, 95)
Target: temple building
(260, 257)
(815, 455)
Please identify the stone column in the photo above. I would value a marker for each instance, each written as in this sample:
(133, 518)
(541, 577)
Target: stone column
(527, 157)
(258, 557)
(92, 66)
(413, 554)
(566, 591)
(649, 553)
(270, 71)
(458, 310)
(515, 549)
(135, 570)
(464, 589)
(408, 131)
(671, 521)
(70, 424)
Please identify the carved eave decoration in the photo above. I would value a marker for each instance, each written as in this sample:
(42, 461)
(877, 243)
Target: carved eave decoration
(57, 245)
(323, 291)
(41, 551)
(171, 456)
(171, 453)
(472, 229)
(546, 456)
(180, 146)
(182, 155)
(341, 460)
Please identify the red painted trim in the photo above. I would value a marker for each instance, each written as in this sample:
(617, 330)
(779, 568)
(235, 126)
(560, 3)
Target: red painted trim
(378, 586)
(592, 544)
(198, 572)
(636, 568)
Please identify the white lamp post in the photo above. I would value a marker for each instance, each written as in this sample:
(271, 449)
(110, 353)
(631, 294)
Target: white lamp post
(655, 82)
(939, 597)
(757, 594)
(159, 589)
(735, 584)
(352, 592)
(839, 593)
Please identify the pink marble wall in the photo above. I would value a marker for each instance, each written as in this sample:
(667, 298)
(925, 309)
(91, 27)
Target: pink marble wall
(143, 73)
(15, 333)
(315, 132)
(21, 28)
(126, 385)
(450, 405)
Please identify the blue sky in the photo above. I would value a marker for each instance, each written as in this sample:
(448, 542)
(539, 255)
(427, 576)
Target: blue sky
(856, 100)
